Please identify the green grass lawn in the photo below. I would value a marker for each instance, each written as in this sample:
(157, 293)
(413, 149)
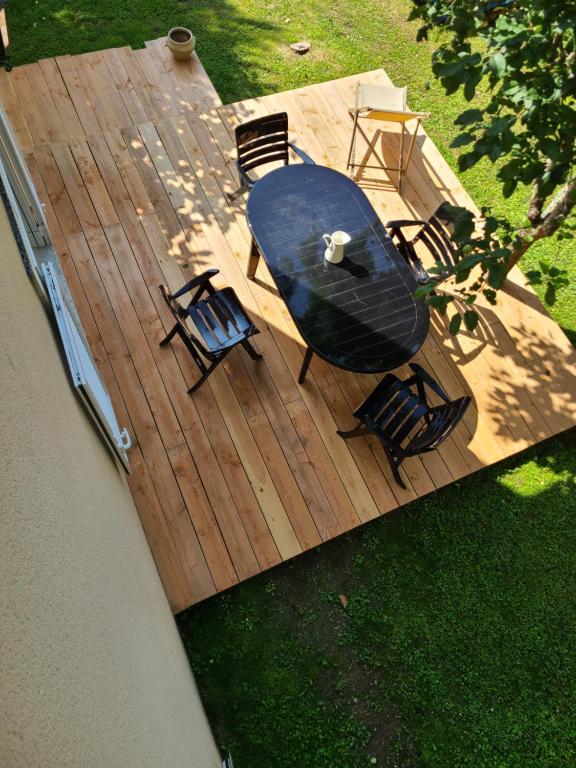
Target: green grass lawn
(456, 647)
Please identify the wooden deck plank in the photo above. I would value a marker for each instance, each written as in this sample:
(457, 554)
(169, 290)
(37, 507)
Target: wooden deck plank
(14, 112)
(80, 98)
(134, 105)
(62, 99)
(146, 96)
(133, 154)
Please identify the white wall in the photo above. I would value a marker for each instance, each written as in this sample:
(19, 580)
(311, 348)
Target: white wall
(92, 671)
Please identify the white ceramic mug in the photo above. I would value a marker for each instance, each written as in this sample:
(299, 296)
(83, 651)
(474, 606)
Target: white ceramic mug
(334, 253)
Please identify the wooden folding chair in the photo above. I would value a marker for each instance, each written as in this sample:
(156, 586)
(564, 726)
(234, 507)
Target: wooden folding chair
(386, 103)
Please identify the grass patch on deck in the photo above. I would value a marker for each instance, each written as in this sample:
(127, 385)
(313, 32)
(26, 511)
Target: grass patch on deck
(456, 645)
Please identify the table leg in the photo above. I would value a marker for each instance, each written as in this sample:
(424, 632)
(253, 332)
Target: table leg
(253, 260)
(305, 364)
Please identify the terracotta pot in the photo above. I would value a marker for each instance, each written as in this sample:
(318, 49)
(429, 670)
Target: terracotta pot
(181, 42)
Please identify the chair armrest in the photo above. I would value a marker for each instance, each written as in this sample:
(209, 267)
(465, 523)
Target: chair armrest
(196, 281)
(398, 224)
(245, 177)
(424, 376)
(301, 154)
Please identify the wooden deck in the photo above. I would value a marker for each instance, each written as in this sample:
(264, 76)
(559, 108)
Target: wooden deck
(132, 154)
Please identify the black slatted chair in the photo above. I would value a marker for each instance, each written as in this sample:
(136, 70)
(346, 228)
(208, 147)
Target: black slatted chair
(261, 141)
(219, 319)
(434, 234)
(402, 419)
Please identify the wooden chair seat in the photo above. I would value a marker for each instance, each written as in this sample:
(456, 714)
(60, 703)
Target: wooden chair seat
(220, 322)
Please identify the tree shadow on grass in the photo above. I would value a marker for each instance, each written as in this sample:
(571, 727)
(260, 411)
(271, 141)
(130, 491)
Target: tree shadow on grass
(224, 34)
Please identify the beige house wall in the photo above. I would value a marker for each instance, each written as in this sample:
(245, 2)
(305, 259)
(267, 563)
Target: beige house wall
(92, 671)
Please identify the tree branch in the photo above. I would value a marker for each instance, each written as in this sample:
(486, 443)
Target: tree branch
(551, 219)
(536, 203)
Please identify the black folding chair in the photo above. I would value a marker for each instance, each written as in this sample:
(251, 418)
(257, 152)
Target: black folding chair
(402, 419)
(434, 234)
(261, 141)
(219, 320)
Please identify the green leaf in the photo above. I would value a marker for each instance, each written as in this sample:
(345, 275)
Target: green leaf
(455, 324)
(464, 226)
(490, 295)
(451, 84)
(496, 275)
(424, 290)
(497, 64)
(490, 225)
(440, 302)
(550, 148)
(470, 261)
(471, 320)
(534, 277)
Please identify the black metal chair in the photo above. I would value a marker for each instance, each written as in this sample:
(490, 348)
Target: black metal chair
(434, 234)
(219, 319)
(261, 141)
(403, 420)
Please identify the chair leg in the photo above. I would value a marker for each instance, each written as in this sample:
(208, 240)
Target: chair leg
(351, 158)
(170, 336)
(358, 431)
(205, 375)
(251, 351)
(401, 163)
(394, 466)
(231, 196)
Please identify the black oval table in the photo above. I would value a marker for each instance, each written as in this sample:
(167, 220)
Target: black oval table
(360, 314)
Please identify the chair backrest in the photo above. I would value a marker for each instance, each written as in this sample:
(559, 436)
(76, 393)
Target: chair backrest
(438, 424)
(403, 418)
(435, 235)
(263, 140)
(396, 414)
(385, 102)
(381, 98)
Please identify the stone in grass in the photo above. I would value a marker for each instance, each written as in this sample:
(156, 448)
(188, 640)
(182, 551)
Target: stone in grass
(300, 48)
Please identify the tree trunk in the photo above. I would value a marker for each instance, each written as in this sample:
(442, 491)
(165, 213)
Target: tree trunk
(551, 219)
